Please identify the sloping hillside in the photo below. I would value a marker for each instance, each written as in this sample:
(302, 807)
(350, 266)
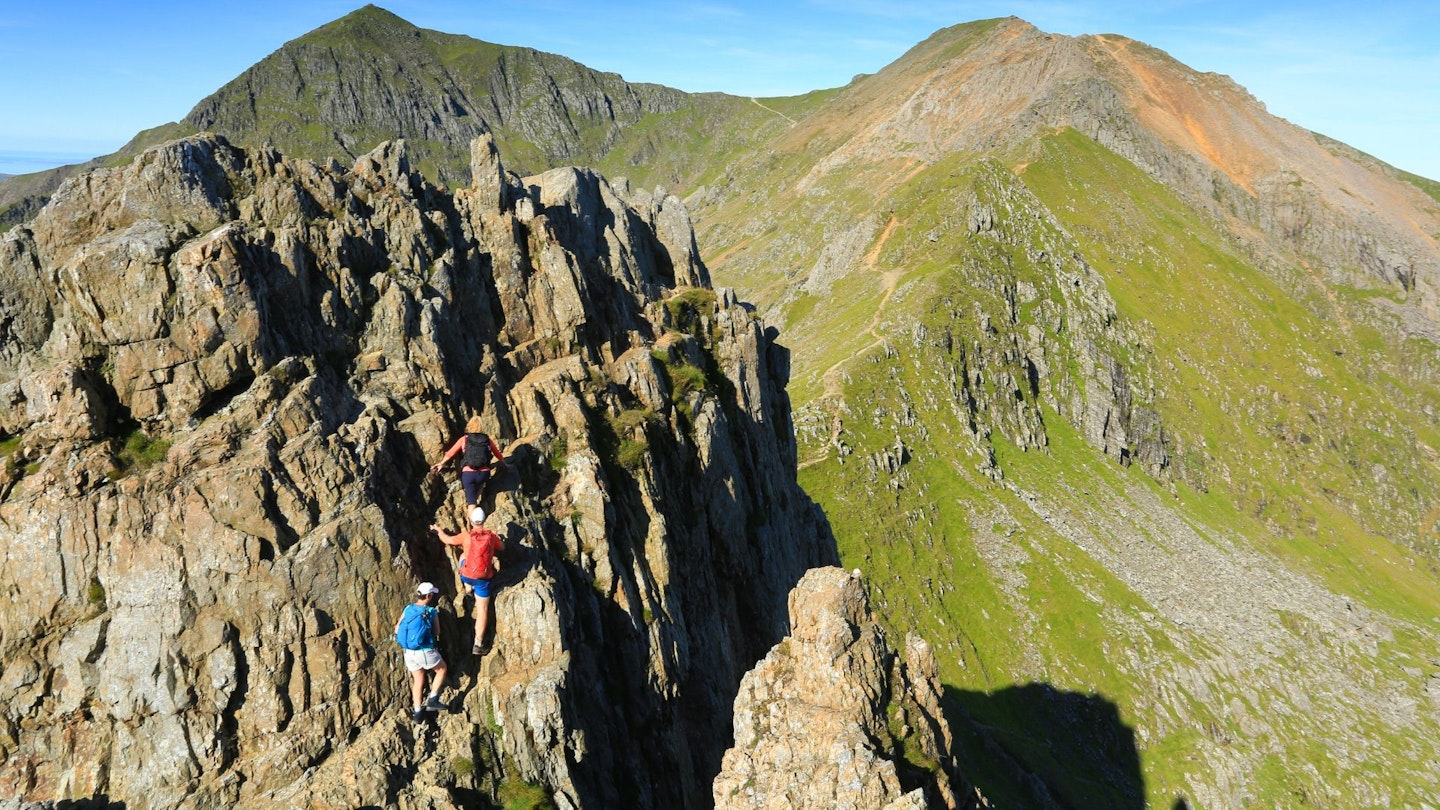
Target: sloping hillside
(1127, 389)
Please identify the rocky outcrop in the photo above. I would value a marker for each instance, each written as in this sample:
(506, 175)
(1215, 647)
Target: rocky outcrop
(223, 374)
(834, 717)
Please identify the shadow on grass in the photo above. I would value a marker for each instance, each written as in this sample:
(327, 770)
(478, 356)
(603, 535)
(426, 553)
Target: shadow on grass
(1036, 746)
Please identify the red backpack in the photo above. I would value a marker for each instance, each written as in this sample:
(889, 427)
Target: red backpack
(480, 554)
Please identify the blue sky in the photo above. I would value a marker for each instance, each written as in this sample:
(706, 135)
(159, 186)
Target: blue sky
(81, 78)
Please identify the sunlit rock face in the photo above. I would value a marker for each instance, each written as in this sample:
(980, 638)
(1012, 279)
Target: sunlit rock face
(223, 376)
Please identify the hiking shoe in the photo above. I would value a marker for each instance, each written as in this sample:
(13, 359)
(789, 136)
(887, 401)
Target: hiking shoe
(485, 647)
(478, 650)
(418, 715)
(433, 704)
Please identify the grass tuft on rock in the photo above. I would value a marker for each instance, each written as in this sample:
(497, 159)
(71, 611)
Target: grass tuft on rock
(138, 452)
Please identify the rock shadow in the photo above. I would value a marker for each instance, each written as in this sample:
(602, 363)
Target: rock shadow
(1038, 746)
(97, 802)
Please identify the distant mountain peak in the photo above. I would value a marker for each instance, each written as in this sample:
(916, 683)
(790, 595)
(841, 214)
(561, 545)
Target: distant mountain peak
(368, 21)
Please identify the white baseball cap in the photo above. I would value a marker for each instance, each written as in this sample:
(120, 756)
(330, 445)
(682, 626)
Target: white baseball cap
(477, 516)
(426, 589)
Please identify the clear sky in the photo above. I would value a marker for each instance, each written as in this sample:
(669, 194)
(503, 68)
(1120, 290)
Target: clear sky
(79, 78)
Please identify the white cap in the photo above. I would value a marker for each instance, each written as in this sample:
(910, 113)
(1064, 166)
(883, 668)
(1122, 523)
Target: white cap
(477, 516)
(426, 589)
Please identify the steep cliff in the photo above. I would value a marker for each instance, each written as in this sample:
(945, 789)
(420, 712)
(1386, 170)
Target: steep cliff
(833, 717)
(223, 374)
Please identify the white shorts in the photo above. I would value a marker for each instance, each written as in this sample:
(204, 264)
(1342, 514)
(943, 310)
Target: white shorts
(422, 659)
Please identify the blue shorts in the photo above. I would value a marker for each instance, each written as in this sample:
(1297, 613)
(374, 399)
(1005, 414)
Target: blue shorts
(481, 586)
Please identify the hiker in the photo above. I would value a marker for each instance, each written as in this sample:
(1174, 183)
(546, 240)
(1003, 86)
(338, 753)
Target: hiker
(417, 632)
(480, 451)
(477, 569)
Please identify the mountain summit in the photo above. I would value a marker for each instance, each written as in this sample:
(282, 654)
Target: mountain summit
(369, 77)
(372, 76)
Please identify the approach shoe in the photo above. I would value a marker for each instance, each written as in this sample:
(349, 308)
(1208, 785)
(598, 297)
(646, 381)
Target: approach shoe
(418, 715)
(433, 704)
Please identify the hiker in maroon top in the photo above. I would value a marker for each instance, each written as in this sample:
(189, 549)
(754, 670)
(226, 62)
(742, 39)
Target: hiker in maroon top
(479, 453)
(477, 569)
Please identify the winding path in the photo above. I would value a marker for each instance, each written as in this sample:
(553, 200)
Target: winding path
(792, 121)
(891, 280)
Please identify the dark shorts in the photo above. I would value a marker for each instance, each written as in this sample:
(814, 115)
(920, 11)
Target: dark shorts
(473, 482)
(481, 586)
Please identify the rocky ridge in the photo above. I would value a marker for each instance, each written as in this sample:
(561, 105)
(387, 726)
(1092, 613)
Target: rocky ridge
(833, 717)
(223, 373)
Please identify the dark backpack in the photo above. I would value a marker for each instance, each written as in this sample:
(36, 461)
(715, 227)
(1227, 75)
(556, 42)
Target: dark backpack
(417, 628)
(477, 451)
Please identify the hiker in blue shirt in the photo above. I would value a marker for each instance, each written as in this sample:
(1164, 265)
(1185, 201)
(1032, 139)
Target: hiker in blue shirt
(417, 632)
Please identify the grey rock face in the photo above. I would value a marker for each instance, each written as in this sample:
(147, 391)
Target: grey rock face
(223, 374)
(834, 717)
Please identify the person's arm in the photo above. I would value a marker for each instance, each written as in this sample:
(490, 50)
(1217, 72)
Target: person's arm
(454, 450)
(447, 538)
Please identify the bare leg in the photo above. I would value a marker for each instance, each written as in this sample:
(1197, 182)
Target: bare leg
(417, 687)
(482, 618)
(439, 679)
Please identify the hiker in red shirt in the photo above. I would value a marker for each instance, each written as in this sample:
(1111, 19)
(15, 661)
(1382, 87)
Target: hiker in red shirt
(477, 569)
(480, 451)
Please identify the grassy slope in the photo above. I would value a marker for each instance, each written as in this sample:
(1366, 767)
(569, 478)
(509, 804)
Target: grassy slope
(1284, 402)
(1307, 415)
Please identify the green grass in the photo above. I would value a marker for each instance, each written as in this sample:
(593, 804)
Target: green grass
(1274, 437)
(1264, 359)
(690, 308)
(559, 454)
(518, 795)
(138, 452)
(622, 439)
(1425, 184)
(684, 378)
(95, 593)
(462, 767)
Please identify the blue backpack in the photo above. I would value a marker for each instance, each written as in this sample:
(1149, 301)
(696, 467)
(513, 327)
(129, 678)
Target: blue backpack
(417, 628)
